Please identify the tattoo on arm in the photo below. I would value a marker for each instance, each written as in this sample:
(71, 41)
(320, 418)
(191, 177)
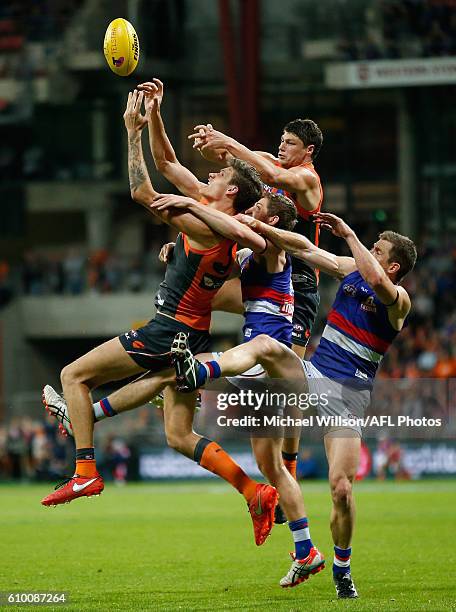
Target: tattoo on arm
(137, 171)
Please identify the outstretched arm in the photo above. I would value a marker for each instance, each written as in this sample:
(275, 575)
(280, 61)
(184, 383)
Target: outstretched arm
(301, 247)
(296, 180)
(141, 188)
(369, 268)
(218, 221)
(162, 150)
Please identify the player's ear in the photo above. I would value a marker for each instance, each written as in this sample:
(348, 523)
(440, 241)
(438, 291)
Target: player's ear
(232, 190)
(310, 149)
(274, 220)
(394, 267)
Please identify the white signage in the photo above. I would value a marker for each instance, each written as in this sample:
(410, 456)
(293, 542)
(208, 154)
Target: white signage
(391, 73)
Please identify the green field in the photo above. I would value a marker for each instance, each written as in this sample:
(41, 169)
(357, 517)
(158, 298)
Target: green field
(190, 547)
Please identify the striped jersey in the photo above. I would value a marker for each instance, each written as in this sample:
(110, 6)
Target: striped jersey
(357, 334)
(192, 280)
(302, 272)
(268, 299)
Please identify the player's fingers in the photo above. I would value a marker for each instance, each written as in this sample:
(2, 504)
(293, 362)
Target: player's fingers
(158, 83)
(138, 102)
(195, 135)
(130, 95)
(326, 226)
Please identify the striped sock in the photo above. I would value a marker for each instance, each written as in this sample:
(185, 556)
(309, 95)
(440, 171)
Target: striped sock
(208, 370)
(103, 409)
(301, 537)
(341, 563)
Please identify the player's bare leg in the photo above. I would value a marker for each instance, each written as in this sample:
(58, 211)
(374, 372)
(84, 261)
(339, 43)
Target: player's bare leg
(267, 453)
(261, 499)
(133, 395)
(290, 448)
(105, 363)
(307, 559)
(278, 360)
(342, 450)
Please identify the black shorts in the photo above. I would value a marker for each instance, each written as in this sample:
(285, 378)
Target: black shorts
(150, 346)
(306, 306)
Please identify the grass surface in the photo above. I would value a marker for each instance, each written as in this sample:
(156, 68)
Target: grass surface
(190, 547)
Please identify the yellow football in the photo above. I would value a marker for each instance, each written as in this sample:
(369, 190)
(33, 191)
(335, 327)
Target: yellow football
(121, 47)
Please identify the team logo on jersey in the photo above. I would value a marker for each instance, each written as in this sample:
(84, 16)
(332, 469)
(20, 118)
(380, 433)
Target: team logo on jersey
(369, 305)
(210, 282)
(361, 375)
(349, 290)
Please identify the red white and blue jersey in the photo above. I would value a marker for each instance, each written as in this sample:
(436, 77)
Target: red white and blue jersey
(268, 299)
(357, 334)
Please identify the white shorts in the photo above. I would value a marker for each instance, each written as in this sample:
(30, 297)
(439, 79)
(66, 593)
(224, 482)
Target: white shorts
(337, 400)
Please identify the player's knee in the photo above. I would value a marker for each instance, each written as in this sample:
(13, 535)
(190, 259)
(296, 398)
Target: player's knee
(68, 375)
(176, 441)
(270, 469)
(268, 348)
(341, 490)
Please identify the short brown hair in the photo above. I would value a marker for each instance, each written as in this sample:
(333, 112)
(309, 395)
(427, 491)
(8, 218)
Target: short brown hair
(307, 131)
(403, 252)
(248, 182)
(282, 207)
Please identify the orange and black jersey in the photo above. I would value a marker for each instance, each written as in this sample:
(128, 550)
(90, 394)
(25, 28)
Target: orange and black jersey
(302, 272)
(192, 280)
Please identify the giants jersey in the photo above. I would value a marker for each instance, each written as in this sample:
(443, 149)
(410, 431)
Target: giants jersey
(357, 334)
(268, 299)
(302, 272)
(192, 279)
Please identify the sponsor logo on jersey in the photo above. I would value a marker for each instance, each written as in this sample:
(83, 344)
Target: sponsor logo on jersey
(369, 305)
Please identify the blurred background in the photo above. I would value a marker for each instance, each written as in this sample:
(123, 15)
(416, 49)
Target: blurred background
(78, 258)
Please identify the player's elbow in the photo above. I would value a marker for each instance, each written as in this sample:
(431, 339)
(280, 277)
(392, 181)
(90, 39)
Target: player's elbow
(166, 167)
(161, 164)
(244, 239)
(376, 280)
(271, 176)
(141, 197)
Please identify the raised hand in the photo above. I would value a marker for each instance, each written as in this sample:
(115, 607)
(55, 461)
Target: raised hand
(334, 224)
(248, 220)
(133, 118)
(205, 137)
(153, 92)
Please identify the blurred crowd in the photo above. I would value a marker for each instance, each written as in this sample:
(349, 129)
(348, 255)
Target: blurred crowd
(72, 272)
(400, 29)
(34, 450)
(427, 345)
(28, 31)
